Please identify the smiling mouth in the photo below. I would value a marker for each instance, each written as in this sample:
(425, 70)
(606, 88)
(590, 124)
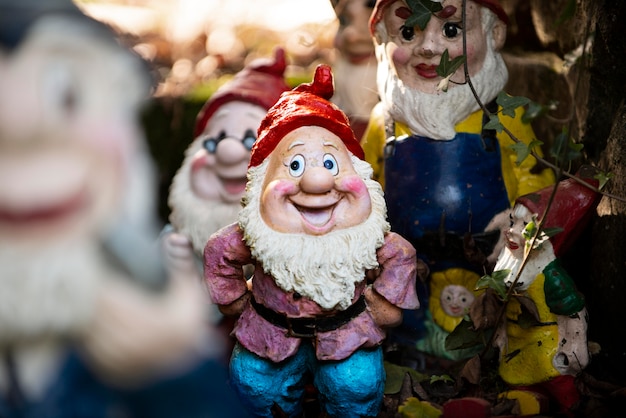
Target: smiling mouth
(512, 245)
(316, 217)
(234, 186)
(426, 71)
(456, 310)
(43, 214)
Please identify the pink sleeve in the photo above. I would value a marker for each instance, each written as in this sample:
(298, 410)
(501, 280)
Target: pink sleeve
(225, 255)
(398, 272)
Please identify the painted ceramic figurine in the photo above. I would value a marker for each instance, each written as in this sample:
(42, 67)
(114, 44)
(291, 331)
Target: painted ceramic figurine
(205, 194)
(92, 324)
(354, 67)
(329, 276)
(545, 355)
(448, 181)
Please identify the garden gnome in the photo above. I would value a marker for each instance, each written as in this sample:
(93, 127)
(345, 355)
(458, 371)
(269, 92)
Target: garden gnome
(448, 181)
(329, 276)
(92, 324)
(548, 352)
(206, 191)
(354, 67)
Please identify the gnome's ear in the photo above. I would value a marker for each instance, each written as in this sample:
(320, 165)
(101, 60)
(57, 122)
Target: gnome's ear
(499, 34)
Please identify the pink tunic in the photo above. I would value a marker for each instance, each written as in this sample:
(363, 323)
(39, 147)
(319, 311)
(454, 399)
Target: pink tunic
(226, 254)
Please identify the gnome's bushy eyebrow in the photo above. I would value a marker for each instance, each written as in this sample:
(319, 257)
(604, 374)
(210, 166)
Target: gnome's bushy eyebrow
(295, 144)
(330, 144)
(220, 113)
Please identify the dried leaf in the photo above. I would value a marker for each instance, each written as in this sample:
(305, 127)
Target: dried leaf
(471, 370)
(485, 309)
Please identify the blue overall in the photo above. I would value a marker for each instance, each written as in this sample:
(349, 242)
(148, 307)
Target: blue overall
(441, 190)
(200, 392)
(348, 388)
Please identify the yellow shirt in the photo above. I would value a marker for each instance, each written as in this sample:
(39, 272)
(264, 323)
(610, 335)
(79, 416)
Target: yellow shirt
(518, 179)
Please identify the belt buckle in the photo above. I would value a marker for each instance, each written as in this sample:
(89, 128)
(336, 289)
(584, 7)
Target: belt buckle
(293, 334)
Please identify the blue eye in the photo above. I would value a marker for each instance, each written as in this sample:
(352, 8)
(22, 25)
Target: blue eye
(249, 139)
(210, 144)
(331, 164)
(296, 165)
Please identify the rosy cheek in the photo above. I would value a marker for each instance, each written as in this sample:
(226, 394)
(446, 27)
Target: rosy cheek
(282, 188)
(353, 185)
(400, 57)
(200, 160)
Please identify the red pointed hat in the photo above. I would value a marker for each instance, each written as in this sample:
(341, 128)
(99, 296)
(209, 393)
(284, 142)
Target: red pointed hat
(381, 6)
(306, 105)
(260, 83)
(571, 209)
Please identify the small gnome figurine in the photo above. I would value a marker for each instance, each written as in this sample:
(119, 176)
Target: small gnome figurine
(546, 356)
(329, 276)
(206, 191)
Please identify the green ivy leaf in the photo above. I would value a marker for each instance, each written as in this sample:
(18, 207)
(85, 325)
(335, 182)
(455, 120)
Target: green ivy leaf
(510, 103)
(494, 123)
(465, 336)
(523, 150)
(530, 230)
(603, 178)
(447, 66)
(440, 378)
(395, 377)
(494, 281)
(422, 12)
(550, 232)
(414, 408)
(533, 111)
(564, 150)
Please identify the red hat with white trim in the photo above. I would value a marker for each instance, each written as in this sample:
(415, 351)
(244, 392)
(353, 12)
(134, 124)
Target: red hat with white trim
(306, 105)
(260, 83)
(382, 5)
(571, 208)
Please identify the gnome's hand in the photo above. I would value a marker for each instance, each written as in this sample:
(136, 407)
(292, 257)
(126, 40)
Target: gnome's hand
(501, 221)
(385, 313)
(137, 335)
(236, 308)
(179, 256)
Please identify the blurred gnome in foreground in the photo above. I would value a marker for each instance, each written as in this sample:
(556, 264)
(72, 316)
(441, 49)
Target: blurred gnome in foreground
(544, 343)
(92, 323)
(206, 192)
(329, 277)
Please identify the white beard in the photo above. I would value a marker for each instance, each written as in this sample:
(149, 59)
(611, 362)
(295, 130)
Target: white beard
(434, 115)
(355, 88)
(48, 291)
(323, 268)
(537, 261)
(197, 218)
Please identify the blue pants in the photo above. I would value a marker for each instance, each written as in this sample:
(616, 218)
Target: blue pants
(352, 387)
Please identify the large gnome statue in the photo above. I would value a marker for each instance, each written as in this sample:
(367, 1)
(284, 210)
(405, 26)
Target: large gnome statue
(449, 181)
(92, 322)
(543, 349)
(206, 192)
(329, 276)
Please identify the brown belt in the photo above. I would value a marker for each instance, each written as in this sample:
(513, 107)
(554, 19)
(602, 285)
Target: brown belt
(309, 327)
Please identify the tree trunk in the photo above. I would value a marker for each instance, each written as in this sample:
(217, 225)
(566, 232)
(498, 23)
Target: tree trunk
(604, 140)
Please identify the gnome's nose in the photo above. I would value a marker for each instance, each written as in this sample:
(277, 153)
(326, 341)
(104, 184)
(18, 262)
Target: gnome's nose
(231, 151)
(317, 180)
